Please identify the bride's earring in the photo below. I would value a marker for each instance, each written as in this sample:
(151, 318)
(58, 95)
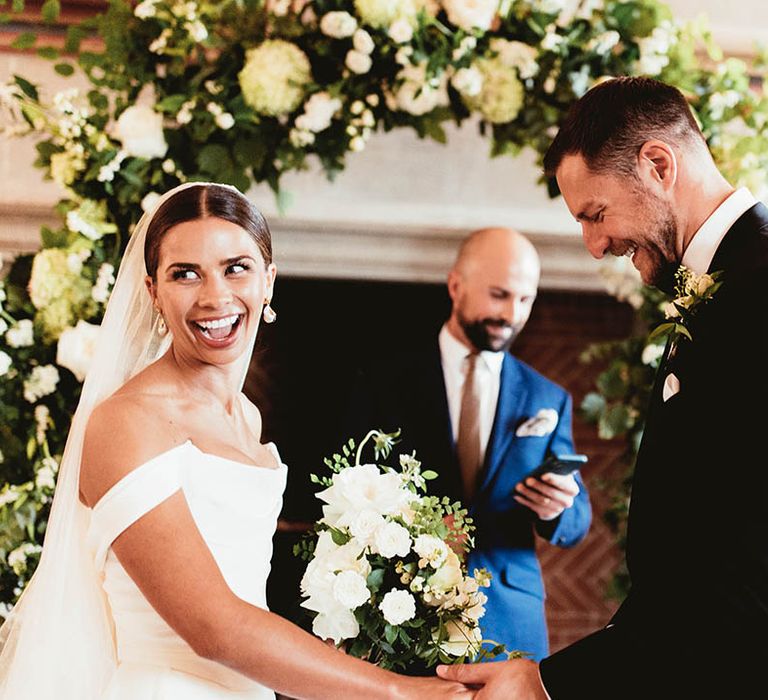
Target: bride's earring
(269, 314)
(162, 328)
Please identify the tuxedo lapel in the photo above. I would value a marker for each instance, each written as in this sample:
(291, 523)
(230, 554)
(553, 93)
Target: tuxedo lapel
(512, 394)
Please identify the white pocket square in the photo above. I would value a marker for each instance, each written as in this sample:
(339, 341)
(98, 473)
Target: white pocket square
(671, 387)
(543, 423)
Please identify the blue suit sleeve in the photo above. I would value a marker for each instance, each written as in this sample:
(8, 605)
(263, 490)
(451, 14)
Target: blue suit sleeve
(573, 524)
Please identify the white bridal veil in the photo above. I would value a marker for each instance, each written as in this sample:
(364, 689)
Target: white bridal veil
(58, 641)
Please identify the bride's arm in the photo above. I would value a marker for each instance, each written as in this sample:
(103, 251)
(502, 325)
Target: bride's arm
(164, 553)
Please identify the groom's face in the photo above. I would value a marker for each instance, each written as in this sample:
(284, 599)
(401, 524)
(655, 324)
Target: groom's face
(620, 215)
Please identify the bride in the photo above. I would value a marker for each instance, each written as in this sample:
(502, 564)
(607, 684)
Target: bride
(152, 580)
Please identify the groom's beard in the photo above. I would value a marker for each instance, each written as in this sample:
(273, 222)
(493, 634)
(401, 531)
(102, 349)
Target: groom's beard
(479, 333)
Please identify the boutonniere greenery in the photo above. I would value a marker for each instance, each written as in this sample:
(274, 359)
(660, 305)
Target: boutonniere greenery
(692, 292)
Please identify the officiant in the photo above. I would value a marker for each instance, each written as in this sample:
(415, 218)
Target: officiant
(484, 420)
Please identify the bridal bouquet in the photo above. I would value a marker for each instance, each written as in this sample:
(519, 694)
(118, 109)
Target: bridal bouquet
(386, 567)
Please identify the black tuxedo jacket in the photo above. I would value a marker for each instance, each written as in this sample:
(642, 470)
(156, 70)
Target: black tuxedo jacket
(697, 546)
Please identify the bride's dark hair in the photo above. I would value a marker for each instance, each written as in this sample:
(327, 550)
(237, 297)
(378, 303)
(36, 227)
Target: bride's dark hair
(200, 202)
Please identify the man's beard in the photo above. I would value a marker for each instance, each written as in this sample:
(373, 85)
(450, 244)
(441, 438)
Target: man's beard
(662, 242)
(478, 334)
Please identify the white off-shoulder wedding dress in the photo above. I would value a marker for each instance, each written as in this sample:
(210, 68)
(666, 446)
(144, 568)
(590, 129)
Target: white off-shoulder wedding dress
(235, 507)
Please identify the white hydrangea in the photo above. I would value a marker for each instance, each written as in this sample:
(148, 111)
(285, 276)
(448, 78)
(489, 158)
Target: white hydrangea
(338, 24)
(41, 382)
(105, 278)
(398, 606)
(42, 420)
(275, 77)
(140, 130)
(604, 42)
(501, 97)
(380, 14)
(46, 475)
(471, 14)
(21, 335)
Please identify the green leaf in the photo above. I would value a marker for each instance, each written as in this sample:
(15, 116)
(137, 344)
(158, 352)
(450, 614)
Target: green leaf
(375, 580)
(51, 10)
(49, 53)
(390, 633)
(25, 40)
(429, 475)
(214, 159)
(26, 87)
(64, 69)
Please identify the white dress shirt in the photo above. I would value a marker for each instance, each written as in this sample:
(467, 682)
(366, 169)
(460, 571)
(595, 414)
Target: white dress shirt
(700, 251)
(453, 354)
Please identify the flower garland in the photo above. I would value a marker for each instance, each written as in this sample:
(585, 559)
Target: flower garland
(244, 91)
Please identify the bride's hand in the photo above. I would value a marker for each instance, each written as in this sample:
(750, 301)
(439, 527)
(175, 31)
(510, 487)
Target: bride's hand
(418, 688)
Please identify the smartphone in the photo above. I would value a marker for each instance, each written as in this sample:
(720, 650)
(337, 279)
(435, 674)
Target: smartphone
(562, 464)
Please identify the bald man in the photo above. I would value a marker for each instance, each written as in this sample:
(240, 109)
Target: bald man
(484, 421)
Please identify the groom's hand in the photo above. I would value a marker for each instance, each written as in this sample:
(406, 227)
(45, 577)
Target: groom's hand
(549, 496)
(499, 680)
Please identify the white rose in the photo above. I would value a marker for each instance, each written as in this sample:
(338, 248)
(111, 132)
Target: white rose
(358, 62)
(76, 347)
(149, 201)
(468, 81)
(431, 548)
(391, 540)
(338, 25)
(360, 488)
(318, 112)
(461, 639)
(5, 363)
(364, 526)
(337, 625)
(140, 130)
(471, 14)
(398, 606)
(400, 31)
(350, 589)
(363, 42)
(699, 284)
(651, 353)
(21, 335)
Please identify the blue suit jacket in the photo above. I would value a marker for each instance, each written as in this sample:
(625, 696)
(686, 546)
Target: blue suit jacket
(413, 398)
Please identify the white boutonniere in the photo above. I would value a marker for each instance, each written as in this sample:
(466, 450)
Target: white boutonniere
(540, 425)
(693, 291)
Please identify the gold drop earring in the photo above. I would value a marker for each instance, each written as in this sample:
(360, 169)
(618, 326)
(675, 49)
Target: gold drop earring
(162, 328)
(269, 314)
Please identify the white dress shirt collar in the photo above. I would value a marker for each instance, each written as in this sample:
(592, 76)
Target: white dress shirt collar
(700, 251)
(454, 352)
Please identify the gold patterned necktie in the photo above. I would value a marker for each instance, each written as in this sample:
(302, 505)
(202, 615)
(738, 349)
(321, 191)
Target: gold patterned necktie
(468, 438)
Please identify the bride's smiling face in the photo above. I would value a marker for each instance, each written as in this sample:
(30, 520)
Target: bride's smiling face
(210, 286)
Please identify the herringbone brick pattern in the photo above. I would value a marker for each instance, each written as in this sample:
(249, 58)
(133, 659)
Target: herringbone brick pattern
(560, 328)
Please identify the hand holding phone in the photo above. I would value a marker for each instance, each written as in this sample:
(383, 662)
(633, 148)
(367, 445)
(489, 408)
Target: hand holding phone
(562, 464)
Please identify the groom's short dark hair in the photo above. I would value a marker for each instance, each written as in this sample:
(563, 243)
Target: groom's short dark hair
(611, 122)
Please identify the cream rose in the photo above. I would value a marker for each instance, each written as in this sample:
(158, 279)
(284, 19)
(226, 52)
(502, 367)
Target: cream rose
(391, 540)
(140, 129)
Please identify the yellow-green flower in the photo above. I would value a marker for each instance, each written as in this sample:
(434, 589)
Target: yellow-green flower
(275, 77)
(501, 96)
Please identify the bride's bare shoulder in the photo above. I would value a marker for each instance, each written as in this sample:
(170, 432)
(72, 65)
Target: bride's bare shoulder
(126, 430)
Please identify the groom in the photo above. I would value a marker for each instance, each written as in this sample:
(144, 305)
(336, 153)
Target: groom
(635, 171)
